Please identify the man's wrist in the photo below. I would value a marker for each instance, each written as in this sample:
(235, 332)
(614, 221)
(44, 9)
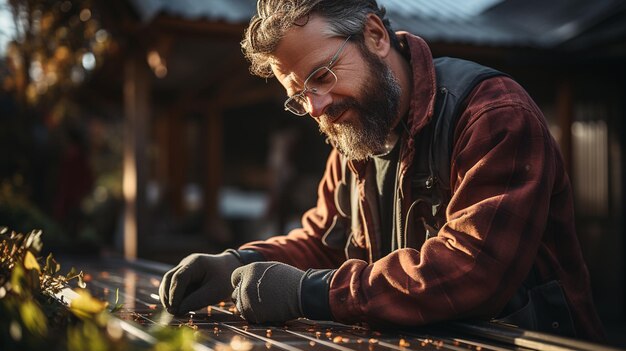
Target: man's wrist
(314, 290)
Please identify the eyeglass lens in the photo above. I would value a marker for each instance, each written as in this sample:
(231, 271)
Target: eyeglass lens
(320, 82)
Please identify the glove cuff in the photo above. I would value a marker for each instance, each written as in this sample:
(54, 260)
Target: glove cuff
(247, 256)
(314, 290)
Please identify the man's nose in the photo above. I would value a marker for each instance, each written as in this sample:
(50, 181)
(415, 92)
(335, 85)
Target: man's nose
(318, 104)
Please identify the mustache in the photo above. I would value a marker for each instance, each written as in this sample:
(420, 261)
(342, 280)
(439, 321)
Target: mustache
(335, 110)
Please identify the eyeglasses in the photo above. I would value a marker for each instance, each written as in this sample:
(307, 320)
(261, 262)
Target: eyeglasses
(319, 82)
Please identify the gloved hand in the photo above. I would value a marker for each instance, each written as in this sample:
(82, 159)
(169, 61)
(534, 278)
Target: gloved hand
(267, 291)
(199, 280)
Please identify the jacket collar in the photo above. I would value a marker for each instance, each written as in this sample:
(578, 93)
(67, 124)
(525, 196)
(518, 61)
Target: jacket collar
(422, 101)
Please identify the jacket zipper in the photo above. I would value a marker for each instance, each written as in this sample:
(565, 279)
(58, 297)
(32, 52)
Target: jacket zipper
(398, 204)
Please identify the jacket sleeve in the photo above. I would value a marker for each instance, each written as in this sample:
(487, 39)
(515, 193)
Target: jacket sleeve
(303, 247)
(503, 168)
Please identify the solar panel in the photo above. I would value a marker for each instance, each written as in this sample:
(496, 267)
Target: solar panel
(219, 327)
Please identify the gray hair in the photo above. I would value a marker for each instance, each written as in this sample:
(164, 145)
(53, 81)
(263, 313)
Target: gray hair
(275, 17)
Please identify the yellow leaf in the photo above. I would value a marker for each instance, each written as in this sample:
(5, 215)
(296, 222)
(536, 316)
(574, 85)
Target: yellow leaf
(85, 305)
(30, 262)
(17, 276)
(33, 318)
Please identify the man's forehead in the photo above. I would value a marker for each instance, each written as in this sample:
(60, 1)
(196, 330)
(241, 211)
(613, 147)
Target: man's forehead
(301, 47)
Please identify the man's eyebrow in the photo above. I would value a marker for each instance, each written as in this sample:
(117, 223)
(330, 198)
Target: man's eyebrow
(319, 64)
(300, 85)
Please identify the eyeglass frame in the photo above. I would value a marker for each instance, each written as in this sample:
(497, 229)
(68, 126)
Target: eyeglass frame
(328, 66)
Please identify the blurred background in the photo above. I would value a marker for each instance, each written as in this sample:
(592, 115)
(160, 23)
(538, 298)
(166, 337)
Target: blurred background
(132, 127)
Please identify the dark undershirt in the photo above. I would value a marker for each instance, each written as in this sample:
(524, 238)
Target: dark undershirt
(385, 167)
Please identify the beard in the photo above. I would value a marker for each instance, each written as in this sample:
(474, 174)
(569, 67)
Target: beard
(376, 107)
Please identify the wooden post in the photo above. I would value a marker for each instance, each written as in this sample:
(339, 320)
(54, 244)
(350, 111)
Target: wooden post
(136, 110)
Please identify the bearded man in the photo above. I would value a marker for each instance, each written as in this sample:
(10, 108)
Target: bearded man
(498, 243)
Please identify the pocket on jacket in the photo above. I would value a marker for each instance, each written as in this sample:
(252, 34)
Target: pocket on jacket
(546, 310)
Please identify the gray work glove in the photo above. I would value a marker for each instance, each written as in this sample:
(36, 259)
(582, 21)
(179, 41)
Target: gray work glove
(199, 280)
(267, 291)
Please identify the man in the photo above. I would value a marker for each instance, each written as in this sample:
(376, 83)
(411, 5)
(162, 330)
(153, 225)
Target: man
(502, 245)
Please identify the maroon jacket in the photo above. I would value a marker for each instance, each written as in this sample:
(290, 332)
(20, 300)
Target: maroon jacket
(510, 208)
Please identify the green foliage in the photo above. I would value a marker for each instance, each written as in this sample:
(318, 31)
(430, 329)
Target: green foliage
(33, 319)
(24, 324)
(174, 339)
(117, 306)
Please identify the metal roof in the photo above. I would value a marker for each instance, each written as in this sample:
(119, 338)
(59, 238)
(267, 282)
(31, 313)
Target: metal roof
(233, 11)
(534, 23)
(531, 23)
(444, 10)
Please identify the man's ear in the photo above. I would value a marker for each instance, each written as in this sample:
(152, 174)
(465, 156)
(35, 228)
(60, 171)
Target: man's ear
(376, 36)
